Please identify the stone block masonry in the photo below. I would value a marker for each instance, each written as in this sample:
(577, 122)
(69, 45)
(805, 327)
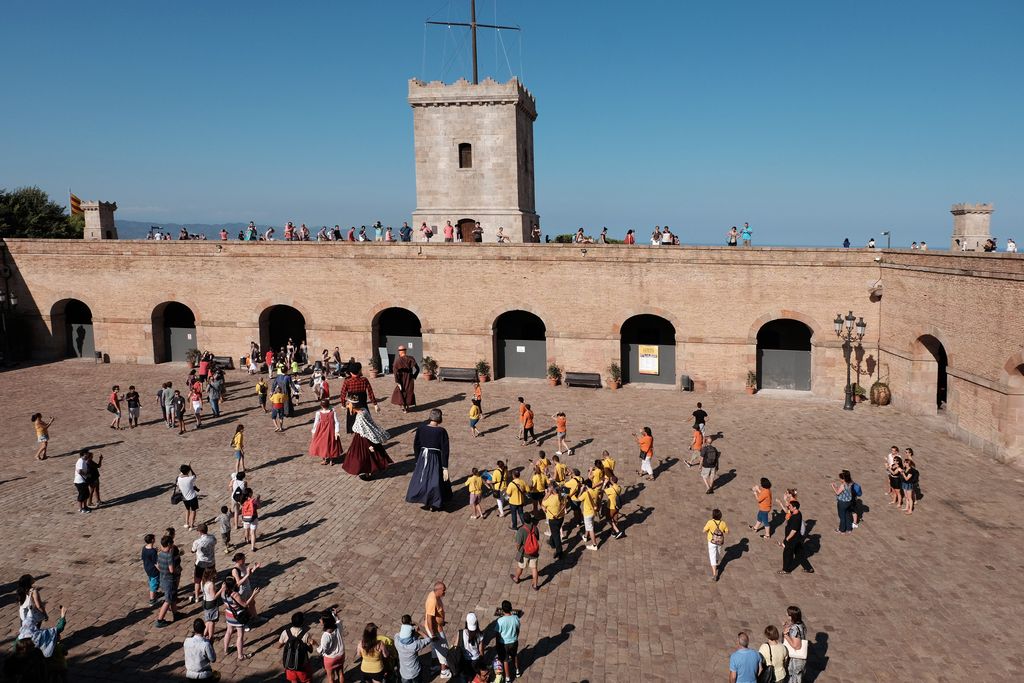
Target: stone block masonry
(716, 300)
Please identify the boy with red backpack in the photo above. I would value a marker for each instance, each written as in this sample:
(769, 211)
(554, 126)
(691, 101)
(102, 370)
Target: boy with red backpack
(527, 550)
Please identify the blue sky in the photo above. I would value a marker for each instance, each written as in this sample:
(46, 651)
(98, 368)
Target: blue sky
(812, 120)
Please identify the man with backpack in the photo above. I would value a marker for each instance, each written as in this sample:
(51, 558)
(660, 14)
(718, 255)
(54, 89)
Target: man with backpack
(708, 457)
(527, 550)
(297, 644)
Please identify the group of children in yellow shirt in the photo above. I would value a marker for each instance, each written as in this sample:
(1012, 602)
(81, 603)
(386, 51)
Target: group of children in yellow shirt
(553, 486)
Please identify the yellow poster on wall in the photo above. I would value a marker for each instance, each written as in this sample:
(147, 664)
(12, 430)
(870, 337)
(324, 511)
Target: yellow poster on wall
(648, 359)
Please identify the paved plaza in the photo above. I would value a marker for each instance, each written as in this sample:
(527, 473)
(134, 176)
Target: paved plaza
(928, 597)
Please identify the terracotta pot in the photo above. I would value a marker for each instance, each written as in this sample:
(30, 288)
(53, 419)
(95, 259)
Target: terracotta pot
(751, 390)
(428, 375)
(614, 384)
(483, 378)
(375, 373)
(553, 381)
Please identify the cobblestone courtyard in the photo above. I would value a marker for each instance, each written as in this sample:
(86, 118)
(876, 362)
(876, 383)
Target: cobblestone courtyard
(928, 597)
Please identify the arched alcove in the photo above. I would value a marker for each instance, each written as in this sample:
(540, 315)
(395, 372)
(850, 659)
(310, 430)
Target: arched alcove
(174, 332)
(648, 350)
(784, 355)
(520, 346)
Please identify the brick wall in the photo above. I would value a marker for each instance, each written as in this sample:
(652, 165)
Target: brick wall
(717, 299)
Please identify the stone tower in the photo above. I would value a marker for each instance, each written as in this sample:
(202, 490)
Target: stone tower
(99, 220)
(970, 226)
(474, 156)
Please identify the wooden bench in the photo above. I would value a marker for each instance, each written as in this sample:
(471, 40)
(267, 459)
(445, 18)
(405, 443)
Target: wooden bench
(464, 374)
(224, 362)
(582, 379)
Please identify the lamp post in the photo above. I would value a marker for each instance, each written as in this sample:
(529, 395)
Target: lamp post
(848, 329)
(887, 234)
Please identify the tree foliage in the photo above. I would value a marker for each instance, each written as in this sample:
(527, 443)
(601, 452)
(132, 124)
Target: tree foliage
(28, 212)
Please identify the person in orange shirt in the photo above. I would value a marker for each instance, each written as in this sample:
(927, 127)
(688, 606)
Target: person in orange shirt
(563, 446)
(478, 398)
(763, 493)
(698, 441)
(528, 426)
(646, 443)
(522, 411)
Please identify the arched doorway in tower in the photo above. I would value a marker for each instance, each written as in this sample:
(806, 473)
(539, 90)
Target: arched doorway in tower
(280, 323)
(174, 332)
(71, 325)
(928, 376)
(465, 228)
(520, 346)
(648, 350)
(394, 327)
(784, 355)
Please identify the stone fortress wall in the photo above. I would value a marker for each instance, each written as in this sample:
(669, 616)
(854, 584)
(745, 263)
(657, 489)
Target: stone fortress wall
(917, 305)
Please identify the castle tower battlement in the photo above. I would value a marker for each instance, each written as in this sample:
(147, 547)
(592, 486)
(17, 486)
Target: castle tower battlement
(971, 226)
(99, 220)
(474, 157)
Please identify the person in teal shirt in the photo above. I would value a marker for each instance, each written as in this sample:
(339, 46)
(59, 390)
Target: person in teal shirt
(508, 639)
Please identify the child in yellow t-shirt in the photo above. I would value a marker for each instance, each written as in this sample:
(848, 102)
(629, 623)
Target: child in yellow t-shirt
(475, 484)
(474, 418)
(561, 471)
(608, 463)
(538, 484)
(261, 393)
(544, 463)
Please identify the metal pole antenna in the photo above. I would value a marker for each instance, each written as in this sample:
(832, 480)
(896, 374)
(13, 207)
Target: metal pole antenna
(472, 28)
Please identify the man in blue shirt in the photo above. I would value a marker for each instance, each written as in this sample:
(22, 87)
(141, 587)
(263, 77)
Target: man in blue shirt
(405, 232)
(744, 663)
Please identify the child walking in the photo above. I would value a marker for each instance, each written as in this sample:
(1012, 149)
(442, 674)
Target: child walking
(474, 418)
(560, 431)
(261, 393)
(475, 484)
(528, 436)
(238, 446)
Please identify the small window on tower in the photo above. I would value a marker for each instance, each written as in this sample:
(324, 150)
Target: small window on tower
(465, 155)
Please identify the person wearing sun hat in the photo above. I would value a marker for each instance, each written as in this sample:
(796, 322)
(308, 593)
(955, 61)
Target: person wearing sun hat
(409, 642)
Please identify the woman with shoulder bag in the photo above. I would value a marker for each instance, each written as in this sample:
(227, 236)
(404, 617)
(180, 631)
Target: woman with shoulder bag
(795, 640)
(844, 500)
(774, 654)
(236, 616)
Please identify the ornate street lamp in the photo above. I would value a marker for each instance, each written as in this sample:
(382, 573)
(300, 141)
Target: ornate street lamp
(848, 329)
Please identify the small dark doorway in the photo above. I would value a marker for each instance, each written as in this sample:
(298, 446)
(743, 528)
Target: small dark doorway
(938, 352)
(72, 320)
(657, 337)
(465, 228)
(784, 355)
(174, 332)
(394, 327)
(280, 323)
(520, 345)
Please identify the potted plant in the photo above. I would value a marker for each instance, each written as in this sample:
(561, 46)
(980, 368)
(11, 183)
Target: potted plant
(192, 357)
(429, 368)
(859, 393)
(880, 393)
(554, 374)
(751, 382)
(614, 376)
(483, 370)
(374, 366)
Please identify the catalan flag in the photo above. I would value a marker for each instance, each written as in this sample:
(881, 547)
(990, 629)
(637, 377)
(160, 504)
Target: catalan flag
(76, 205)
